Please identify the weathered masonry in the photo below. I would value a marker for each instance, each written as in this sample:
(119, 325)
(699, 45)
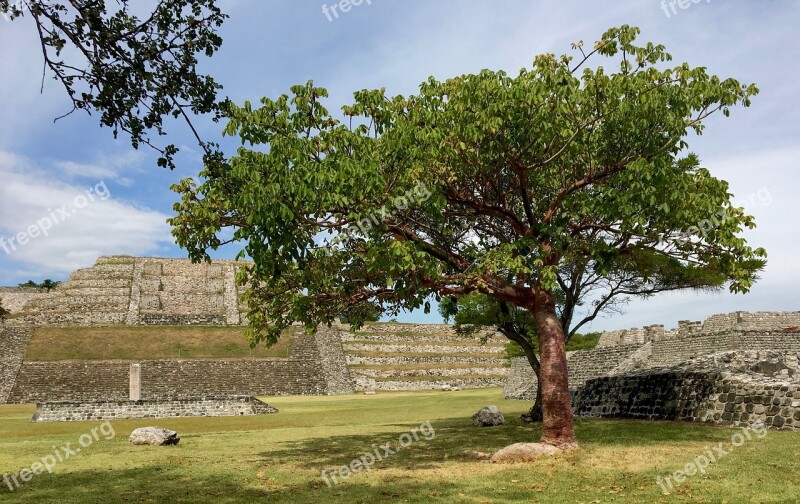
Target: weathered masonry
(736, 368)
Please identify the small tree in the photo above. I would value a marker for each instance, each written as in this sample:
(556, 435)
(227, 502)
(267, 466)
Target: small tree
(49, 284)
(3, 312)
(482, 183)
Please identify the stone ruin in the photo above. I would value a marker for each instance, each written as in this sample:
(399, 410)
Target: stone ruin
(140, 291)
(737, 369)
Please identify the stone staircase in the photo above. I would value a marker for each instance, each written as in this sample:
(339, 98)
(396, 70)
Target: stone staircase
(13, 344)
(99, 295)
(422, 357)
(140, 291)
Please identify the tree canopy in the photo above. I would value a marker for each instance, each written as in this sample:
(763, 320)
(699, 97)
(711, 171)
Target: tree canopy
(481, 183)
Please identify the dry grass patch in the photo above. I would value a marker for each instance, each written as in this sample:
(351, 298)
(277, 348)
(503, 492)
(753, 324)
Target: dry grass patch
(148, 342)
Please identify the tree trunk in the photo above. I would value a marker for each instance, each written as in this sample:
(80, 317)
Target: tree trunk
(535, 414)
(558, 427)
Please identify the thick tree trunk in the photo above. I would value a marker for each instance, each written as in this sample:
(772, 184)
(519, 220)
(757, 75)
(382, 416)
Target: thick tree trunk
(558, 427)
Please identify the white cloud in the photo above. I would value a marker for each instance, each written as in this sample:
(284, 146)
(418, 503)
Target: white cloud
(65, 225)
(105, 168)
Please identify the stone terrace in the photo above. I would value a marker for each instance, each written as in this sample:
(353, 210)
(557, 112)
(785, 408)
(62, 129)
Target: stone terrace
(422, 357)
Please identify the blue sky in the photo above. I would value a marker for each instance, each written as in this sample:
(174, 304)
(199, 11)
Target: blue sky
(118, 200)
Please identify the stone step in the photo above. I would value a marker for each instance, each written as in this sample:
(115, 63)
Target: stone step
(185, 303)
(77, 318)
(101, 274)
(423, 348)
(79, 303)
(434, 338)
(409, 385)
(96, 291)
(109, 283)
(191, 284)
(115, 260)
(432, 372)
(432, 360)
(184, 269)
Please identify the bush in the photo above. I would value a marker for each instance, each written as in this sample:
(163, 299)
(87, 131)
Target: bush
(577, 342)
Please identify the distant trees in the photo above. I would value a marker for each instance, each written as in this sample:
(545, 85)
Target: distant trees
(362, 313)
(46, 284)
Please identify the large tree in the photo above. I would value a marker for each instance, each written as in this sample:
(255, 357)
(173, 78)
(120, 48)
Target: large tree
(134, 67)
(481, 183)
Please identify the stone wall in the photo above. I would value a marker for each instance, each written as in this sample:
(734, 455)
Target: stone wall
(309, 371)
(14, 298)
(116, 410)
(582, 365)
(652, 347)
(108, 380)
(667, 352)
(333, 363)
(736, 388)
(70, 381)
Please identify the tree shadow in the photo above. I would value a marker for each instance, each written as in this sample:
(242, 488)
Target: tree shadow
(157, 483)
(452, 437)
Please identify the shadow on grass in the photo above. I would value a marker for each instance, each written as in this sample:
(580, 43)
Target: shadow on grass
(455, 435)
(452, 437)
(150, 484)
(165, 484)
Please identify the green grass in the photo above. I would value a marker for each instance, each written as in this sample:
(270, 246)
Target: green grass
(148, 342)
(279, 458)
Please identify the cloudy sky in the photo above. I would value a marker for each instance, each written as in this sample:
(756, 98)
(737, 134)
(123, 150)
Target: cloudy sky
(105, 198)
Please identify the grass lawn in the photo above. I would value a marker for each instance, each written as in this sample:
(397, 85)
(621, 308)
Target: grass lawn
(279, 458)
(147, 343)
